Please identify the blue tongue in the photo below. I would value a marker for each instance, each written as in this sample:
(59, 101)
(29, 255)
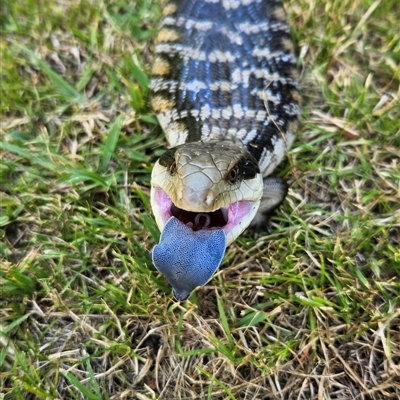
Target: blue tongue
(188, 258)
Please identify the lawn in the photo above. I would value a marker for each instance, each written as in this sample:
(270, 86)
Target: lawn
(306, 309)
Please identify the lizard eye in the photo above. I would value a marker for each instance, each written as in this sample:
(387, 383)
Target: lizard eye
(246, 168)
(172, 168)
(168, 160)
(233, 174)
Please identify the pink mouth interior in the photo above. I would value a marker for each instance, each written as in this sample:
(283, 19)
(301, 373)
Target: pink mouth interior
(225, 218)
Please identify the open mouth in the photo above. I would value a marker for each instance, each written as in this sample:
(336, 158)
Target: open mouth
(201, 220)
(226, 218)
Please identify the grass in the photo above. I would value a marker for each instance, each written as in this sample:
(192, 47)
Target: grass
(308, 310)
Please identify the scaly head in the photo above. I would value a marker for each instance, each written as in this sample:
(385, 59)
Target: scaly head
(211, 185)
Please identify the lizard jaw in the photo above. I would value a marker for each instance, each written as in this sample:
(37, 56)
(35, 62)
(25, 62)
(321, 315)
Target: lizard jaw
(233, 218)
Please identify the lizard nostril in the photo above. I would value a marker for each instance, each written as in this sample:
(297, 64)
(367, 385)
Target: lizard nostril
(209, 198)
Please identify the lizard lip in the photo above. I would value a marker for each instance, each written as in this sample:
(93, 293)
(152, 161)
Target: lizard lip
(201, 220)
(226, 218)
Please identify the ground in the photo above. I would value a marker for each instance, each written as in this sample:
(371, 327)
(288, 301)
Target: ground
(307, 309)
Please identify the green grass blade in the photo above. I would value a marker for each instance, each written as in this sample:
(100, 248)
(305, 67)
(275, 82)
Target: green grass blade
(87, 393)
(111, 143)
(14, 324)
(60, 84)
(224, 322)
(223, 387)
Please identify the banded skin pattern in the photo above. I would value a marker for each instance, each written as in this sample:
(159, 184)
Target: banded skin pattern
(227, 68)
(224, 87)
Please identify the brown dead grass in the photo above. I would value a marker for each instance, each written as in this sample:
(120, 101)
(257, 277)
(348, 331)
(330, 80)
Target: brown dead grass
(312, 309)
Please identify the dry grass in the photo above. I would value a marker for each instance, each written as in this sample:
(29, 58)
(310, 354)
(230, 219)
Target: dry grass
(310, 310)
